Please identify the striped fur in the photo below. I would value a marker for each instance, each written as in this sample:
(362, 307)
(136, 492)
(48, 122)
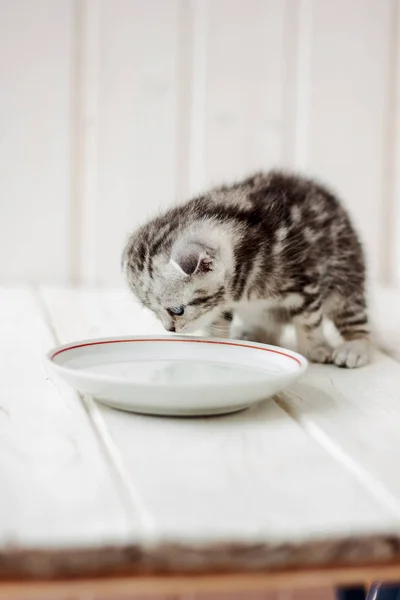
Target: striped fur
(272, 249)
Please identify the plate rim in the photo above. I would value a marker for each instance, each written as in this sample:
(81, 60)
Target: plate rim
(50, 355)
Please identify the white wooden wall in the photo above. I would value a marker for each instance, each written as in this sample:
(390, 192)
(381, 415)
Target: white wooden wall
(110, 109)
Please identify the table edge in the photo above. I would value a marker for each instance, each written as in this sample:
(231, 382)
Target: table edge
(144, 585)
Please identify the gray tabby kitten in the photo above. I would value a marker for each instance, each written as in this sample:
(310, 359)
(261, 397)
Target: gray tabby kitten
(270, 250)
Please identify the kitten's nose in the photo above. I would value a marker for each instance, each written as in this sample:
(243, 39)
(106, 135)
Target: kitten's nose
(171, 328)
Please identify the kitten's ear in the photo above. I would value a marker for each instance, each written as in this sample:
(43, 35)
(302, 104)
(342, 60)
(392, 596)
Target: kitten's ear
(191, 259)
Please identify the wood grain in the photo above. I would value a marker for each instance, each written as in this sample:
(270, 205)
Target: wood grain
(305, 498)
(292, 483)
(121, 588)
(150, 102)
(56, 487)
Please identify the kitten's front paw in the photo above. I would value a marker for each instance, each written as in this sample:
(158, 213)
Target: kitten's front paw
(352, 354)
(321, 353)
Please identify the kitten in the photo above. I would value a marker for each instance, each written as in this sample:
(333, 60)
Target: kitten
(270, 250)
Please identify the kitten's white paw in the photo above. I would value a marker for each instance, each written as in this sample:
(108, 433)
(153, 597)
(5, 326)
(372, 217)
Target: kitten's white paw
(320, 353)
(352, 354)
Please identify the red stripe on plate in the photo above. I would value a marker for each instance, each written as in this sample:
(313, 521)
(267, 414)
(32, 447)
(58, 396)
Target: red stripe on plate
(176, 342)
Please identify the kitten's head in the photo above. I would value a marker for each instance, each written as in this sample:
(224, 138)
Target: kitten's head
(185, 283)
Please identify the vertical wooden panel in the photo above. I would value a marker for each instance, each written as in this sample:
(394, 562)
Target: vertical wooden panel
(394, 131)
(176, 95)
(391, 187)
(198, 84)
(296, 78)
(35, 138)
(348, 100)
(243, 101)
(86, 178)
(137, 122)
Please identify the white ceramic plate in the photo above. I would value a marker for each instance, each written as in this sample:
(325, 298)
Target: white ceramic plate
(182, 376)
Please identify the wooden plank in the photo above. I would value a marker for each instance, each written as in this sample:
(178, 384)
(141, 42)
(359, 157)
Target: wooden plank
(348, 412)
(202, 464)
(121, 588)
(348, 99)
(390, 248)
(394, 137)
(137, 123)
(56, 486)
(87, 105)
(243, 87)
(296, 79)
(35, 143)
(97, 313)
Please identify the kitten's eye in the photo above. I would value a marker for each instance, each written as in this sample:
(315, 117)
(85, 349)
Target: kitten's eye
(176, 311)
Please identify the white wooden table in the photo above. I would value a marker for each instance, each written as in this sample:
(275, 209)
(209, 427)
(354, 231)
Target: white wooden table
(301, 490)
